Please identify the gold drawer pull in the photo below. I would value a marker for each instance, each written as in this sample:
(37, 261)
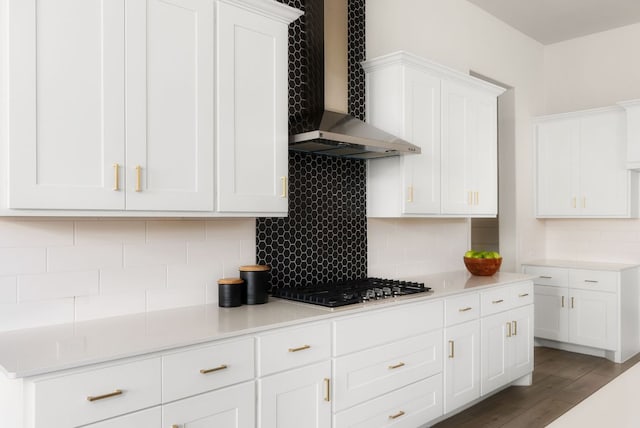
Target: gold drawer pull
(562, 304)
(523, 295)
(591, 281)
(515, 328)
(138, 179)
(301, 348)
(468, 308)
(397, 415)
(451, 349)
(175, 426)
(572, 303)
(545, 277)
(396, 366)
(283, 182)
(410, 191)
(215, 369)
(327, 389)
(497, 301)
(508, 329)
(102, 397)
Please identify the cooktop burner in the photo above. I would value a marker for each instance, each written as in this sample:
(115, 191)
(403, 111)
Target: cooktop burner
(349, 292)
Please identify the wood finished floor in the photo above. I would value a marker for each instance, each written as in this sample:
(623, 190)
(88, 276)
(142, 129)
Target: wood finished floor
(560, 381)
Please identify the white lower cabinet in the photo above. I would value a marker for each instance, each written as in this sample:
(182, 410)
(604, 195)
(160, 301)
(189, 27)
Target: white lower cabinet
(144, 418)
(408, 407)
(462, 365)
(231, 407)
(506, 347)
(296, 398)
(591, 310)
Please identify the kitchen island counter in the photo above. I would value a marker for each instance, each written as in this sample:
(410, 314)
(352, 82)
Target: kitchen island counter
(43, 350)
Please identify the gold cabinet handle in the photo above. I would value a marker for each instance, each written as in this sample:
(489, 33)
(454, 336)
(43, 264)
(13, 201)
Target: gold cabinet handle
(584, 202)
(410, 192)
(396, 366)
(515, 328)
(116, 177)
(102, 397)
(476, 198)
(523, 295)
(451, 349)
(545, 277)
(495, 302)
(175, 426)
(562, 303)
(508, 329)
(591, 281)
(283, 181)
(469, 198)
(572, 303)
(327, 389)
(215, 369)
(397, 415)
(138, 178)
(301, 348)
(468, 308)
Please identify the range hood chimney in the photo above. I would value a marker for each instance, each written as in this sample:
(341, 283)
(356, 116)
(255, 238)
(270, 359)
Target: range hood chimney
(324, 127)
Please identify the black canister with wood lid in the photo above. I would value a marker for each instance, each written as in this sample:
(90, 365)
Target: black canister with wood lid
(230, 292)
(258, 280)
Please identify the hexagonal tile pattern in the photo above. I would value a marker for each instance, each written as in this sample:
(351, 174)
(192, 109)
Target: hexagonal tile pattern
(324, 238)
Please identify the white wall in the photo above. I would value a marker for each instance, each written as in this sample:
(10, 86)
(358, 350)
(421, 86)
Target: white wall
(593, 71)
(56, 271)
(462, 36)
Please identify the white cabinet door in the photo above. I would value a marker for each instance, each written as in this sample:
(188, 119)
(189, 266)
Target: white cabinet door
(296, 398)
(462, 365)
(557, 167)
(169, 105)
(521, 342)
(552, 312)
(232, 407)
(151, 418)
(494, 353)
(593, 319)
(421, 173)
(66, 103)
(252, 137)
(469, 151)
(604, 180)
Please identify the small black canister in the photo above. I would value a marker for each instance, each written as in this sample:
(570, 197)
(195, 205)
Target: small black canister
(230, 292)
(258, 279)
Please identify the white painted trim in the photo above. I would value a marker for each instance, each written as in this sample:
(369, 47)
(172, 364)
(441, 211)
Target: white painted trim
(271, 9)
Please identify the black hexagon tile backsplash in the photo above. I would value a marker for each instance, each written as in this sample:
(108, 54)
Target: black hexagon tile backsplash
(324, 238)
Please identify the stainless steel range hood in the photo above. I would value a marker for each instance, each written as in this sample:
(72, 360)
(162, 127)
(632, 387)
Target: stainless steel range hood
(329, 131)
(339, 134)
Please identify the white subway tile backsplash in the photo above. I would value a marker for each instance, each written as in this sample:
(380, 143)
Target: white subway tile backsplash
(213, 251)
(8, 289)
(175, 230)
(155, 254)
(103, 232)
(175, 297)
(231, 229)
(51, 286)
(16, 261)
(84, 257)
(92, 307)
(35, 314)
(35, 233)
(183, 276)
(116, 281)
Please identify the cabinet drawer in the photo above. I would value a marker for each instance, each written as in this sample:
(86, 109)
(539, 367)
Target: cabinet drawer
(144, 418)
(365, 331)
(558, 277)
(496, 300)
(461, 308)
(594, 280)
(521, 294)
(81, 398)
(205, 369)
(409, 407)
(293, 347)
(361, 376)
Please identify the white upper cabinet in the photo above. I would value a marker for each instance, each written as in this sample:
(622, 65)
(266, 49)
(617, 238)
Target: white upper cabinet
(632, 109)
(252, 109)
(580, 166)
(146, 107)
(66, 104)
(453, 118)
(169, 105)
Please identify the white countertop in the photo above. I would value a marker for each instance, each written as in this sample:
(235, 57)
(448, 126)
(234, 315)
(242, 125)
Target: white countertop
(36, 351)
(577, 264)
(613, 405)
